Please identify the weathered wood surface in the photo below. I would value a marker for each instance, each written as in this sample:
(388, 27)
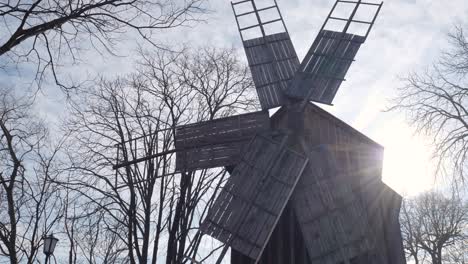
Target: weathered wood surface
(323, 128)
(273, 62)
(252, 201)
(325, 66)
(270, 53)
(391, 203)
(218, 142)
(287, 245)
(383, 206)
(329, 210)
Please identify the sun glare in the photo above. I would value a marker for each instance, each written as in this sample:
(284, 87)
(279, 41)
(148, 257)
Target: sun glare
(407, 161)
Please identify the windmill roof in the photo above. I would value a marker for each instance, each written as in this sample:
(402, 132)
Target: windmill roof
(338, 122)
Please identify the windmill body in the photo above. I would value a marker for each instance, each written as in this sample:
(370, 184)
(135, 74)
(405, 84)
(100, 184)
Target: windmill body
(305, 187)
(346, 166)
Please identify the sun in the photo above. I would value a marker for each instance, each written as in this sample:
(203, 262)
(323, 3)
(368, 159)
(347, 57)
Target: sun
(408, 167)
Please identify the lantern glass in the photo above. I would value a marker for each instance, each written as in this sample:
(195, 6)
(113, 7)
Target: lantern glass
(49, 244)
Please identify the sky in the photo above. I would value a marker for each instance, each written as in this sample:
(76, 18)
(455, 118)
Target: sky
(408, 36)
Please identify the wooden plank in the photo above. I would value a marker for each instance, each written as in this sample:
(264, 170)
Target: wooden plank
(218, 142)
(250, 204)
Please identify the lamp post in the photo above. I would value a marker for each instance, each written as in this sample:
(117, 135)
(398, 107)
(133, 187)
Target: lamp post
(49, 245)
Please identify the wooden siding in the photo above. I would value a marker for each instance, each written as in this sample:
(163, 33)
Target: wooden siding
(330, 212)
(218, 142)
(381, 204)
(390, 204)
(325, 66)
(286, 245)
(322, 128)
(273, 62)
(252, 201)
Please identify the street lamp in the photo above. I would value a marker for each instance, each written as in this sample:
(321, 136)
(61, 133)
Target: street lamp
(49, 245)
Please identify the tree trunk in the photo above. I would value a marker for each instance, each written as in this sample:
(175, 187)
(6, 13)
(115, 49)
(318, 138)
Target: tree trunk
(172, 243)
(12, 216)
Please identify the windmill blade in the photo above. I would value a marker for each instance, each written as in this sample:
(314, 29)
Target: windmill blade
(331, 214)
(325, 66)
(270, 53)
(219, 142)
(252, 201)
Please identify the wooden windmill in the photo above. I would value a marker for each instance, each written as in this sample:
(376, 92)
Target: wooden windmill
(304, 187)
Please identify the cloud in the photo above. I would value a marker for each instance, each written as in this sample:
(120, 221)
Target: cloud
(407, 36)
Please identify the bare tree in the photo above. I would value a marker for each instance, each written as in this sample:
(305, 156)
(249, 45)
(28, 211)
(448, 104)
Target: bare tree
(30, 204)
(410, 232)
(436, 102)
(49, 33)
(458, 253)
(220, 81)
(434, 226)
(149, 207)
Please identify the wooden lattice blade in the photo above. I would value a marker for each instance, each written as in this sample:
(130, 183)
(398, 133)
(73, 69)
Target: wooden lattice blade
(250, 204)
(270, 53)
(219, 142)
(324, 69)
(273, 63)
(328, 60)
